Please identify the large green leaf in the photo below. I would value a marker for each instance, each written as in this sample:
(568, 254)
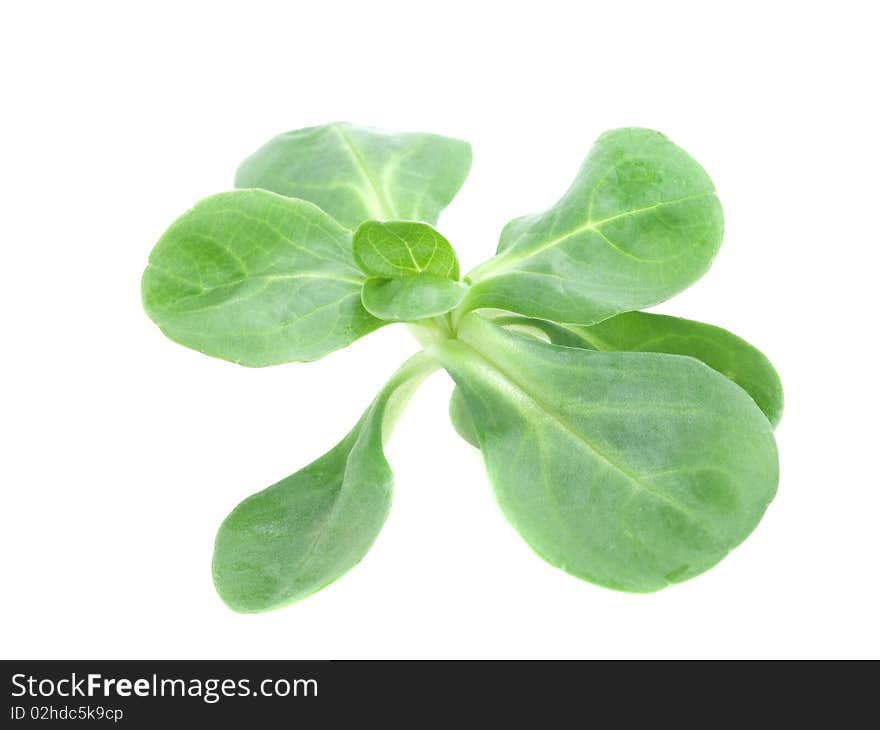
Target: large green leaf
(721, 350)
(403, 248)
(631, 470)
(356, 173)
(256, 278)
(297, 536)
(640, 223)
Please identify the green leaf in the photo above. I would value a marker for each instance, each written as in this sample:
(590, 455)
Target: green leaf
(403, 248)
(628, 469)
(256, 278)
(412, 298)
(414, 270)
(721, 350)
(292, 539)
(640, 223)
(357, 174)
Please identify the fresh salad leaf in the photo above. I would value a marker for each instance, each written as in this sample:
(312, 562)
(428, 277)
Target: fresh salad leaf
(256, 278)
(414, 270)
(412, 298)
(357, 173)
(640, 223)
(630, 470)
(721, 350)
(298, 535)
(399, 249)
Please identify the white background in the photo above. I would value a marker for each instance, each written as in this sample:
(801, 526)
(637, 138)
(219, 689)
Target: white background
(122, 451)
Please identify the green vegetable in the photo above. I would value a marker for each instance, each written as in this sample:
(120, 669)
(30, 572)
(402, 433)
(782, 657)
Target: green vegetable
(295, 537)
(414, 270)
(412, 298)
(642, 332)
(258, 279)
(358, 174)
(631, 470)
(640, 223)
(632, 450)
(403, 248)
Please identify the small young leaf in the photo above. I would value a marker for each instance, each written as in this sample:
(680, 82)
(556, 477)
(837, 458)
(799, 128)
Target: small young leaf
(256, 278)
(640, 223)
(630, 470)
(299, 535)
(357, 174)
(721, 350)
(412, 297)
(414, 270)
(403, 248)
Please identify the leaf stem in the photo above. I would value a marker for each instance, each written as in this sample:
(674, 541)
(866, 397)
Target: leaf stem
(400, 388)
(431, 331)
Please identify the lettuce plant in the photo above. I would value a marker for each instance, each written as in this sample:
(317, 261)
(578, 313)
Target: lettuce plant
(632, 450)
